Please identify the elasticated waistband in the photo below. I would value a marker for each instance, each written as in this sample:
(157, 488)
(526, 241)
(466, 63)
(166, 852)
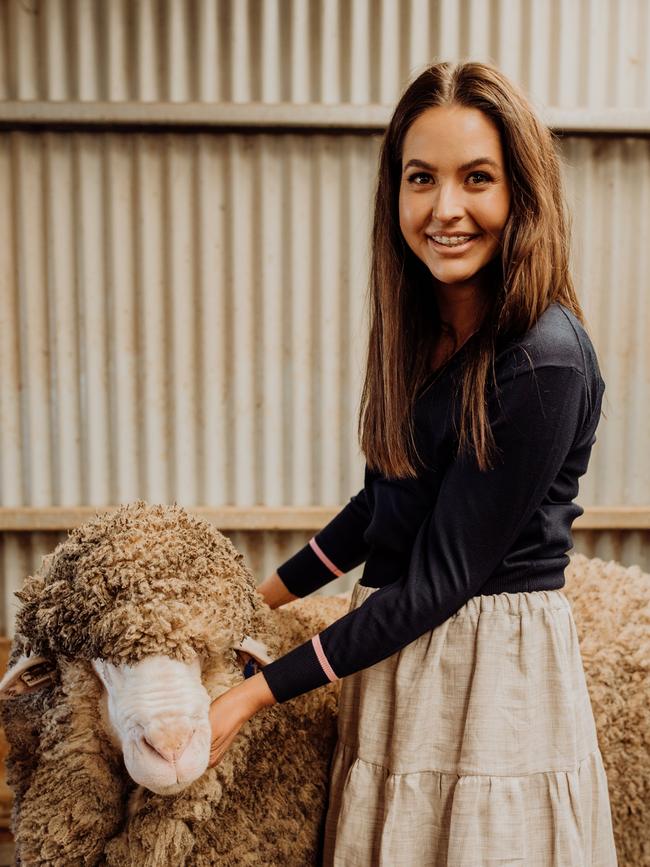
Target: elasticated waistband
(515, 604)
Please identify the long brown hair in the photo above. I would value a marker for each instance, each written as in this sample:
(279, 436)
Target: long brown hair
(530, 272)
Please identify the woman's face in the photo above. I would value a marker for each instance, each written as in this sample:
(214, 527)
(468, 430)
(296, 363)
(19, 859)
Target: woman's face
(453, 183)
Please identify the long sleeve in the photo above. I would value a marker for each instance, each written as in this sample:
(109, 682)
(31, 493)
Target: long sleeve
(333, 551)
(536, 417)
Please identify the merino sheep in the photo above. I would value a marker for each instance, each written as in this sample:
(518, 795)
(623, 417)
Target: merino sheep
(151, 585)
(133, 625)
(611, 606)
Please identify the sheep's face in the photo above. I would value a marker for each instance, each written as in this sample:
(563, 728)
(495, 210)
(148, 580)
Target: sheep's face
(144, 594)
(156, 712)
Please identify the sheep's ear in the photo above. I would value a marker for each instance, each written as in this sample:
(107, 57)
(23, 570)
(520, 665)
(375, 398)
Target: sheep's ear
(27, 674)
(252, 655)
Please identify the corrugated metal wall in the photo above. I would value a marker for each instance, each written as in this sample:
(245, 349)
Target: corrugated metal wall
(182, 311)
(183, 318)
(592, 53)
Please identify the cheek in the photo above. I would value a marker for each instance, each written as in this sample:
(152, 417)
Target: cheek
(493, 215)
(412, 213)
(501, 207)
(403, 214)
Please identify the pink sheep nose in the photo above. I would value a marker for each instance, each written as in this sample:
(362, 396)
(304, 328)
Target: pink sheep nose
(170, 741)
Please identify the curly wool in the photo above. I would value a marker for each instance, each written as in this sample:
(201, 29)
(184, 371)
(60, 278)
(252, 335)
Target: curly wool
(611, 605)
(72, 788)
(283, 749)
(92, 597)
(78, 771)
(139, 581)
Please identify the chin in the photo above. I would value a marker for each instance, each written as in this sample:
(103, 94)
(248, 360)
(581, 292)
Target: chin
(168, 790)
(165, 780)
(449, 279)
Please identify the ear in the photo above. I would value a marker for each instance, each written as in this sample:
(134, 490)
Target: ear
(252, 654)
(27, 674)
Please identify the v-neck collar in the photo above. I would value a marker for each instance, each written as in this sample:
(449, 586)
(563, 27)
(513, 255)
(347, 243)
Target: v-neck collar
(448, 365)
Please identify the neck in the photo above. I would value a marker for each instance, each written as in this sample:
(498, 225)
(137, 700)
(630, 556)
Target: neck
(461, 310)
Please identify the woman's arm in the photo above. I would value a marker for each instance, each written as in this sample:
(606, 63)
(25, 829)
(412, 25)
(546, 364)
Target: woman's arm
(306, 571)
(535, 417)
(274, 591)
(333, 551)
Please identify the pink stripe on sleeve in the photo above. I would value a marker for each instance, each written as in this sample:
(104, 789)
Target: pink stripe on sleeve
(322, 556)
(320, 653)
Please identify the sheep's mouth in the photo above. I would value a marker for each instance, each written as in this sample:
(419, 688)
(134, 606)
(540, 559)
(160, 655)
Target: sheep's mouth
(165, 776)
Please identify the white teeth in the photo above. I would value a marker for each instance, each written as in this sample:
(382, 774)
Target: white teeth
(452, 242)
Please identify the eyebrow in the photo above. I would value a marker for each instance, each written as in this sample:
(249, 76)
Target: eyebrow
(479, 161)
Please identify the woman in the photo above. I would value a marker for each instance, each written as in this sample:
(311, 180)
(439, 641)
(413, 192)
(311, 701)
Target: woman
(466, 735)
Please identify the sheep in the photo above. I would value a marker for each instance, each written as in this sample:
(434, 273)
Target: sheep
(611, 606)
(148, 605)
(152, 584)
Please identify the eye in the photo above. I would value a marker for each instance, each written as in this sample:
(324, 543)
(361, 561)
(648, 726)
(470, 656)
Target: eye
(415, 175)
(487, 178)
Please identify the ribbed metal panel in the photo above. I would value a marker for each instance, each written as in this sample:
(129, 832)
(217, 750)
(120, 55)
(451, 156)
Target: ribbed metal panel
(627, 547)
(566, 53)
(608, 187)
(20, 555)
(181, 317)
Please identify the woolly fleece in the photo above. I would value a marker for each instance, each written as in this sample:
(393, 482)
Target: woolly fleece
(139, 581)
(150, 579)
(611, 607)
(153, 579)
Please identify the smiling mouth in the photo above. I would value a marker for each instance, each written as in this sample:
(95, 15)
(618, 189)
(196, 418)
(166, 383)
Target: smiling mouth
(452, 247)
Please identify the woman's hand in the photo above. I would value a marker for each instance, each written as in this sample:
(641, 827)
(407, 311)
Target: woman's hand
(273, 591)
(233, 708)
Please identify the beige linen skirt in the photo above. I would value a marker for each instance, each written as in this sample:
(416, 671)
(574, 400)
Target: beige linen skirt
(474, 745)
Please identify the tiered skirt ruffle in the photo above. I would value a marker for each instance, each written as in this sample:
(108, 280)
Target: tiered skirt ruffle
(474, 745)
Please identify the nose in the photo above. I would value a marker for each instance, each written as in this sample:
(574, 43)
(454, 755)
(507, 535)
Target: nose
(169, 740)
(448, 204)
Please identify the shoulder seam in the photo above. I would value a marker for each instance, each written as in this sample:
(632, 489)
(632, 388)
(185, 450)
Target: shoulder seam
(582, 353)
(549, 364)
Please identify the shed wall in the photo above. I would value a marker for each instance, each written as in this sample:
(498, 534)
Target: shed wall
(182, 311)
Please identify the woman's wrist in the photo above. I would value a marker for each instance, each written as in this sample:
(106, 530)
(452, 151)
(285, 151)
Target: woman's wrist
(274, 592)
(256, 693)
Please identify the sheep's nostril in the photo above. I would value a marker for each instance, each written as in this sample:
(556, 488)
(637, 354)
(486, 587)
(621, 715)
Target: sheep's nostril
(169, 747)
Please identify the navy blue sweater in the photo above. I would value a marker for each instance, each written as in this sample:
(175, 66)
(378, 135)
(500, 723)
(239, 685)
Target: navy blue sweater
(432, 543)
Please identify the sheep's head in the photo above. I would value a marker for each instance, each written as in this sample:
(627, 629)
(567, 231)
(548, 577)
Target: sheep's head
(139, 581)
(154, 599)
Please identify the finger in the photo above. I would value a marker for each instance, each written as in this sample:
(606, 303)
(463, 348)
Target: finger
(224, 739)
(215, 756)
(219, 747)
(220, 743)
(217, 752)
